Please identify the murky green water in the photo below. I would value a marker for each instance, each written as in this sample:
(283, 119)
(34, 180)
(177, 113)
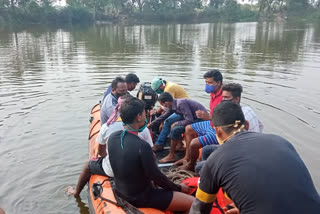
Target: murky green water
(50, 79)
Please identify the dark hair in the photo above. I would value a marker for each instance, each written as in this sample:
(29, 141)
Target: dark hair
(126, 96)
(234, 88)
(215, 74)
(165, 96)
(227, 113)
(130, 108)
(115, 82)
(131, 77)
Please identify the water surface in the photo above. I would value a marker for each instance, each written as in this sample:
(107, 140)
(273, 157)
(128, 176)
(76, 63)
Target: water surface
(50, 79)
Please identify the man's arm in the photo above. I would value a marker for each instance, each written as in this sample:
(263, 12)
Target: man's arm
(204, 115)
(207, 189)
(161, 118)
(186, 114)
(146, 136)
(198, 207)
(153, 171)
(102, 139)
(102, 150)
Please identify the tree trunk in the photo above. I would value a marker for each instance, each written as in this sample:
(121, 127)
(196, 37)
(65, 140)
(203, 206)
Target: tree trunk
(12, 4)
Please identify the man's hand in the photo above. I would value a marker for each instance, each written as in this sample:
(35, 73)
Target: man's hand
(159, 110)
(173, 125)
(185, 189)
(149, 126)
(203, 115)
(152, 112)
(231, 209)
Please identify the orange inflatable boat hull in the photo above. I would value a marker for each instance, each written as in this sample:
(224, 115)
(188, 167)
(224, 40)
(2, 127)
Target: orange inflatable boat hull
(99, 205)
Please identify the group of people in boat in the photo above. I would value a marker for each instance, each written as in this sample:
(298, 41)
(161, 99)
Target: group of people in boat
(260, 173)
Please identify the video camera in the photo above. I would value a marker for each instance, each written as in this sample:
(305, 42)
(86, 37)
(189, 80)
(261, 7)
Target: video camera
(147, 95)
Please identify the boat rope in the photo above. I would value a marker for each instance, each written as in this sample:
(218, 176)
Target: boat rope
(177, 175)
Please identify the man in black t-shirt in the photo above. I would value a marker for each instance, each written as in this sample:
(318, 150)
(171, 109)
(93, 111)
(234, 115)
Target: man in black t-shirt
(261, 173)
(135, 169)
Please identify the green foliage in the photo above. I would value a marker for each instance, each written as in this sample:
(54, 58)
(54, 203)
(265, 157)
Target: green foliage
(231, 10)
(74, 15)
(315, 16)
(30, 13)
(210, 13)
(4, 3)
(297, 5)
(78, 11)
(248, 13)
(308, 15)
(168, 10)
(216, 3)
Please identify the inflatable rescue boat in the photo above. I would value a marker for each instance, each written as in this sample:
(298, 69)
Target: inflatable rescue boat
(103, 200)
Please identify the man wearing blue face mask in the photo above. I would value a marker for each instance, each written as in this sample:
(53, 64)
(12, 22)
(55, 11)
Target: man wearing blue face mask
(198, 135)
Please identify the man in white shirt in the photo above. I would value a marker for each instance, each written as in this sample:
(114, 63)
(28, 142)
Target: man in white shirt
(119, 88)
(232, 92)
(255, 124)
(101, 165)
(104, 134)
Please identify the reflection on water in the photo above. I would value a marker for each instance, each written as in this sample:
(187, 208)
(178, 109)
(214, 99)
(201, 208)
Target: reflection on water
(50, 79)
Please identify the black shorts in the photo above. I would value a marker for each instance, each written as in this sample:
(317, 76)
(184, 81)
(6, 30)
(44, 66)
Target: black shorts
(95, 167)
(157, 198)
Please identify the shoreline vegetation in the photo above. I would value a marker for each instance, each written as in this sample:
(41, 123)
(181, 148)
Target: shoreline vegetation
(24, 12)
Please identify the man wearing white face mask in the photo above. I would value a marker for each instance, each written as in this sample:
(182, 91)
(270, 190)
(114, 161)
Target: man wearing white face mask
(182, 112)
(160, 85)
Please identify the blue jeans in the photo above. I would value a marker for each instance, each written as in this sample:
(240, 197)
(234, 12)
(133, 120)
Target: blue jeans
(206, 152)
(167, 128)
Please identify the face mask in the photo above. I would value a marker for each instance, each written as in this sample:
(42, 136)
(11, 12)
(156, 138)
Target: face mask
(131, 129)
(164, 108)
(210, 88)
(119, 94)
(159, 91)
(222, 141)
(230, 100)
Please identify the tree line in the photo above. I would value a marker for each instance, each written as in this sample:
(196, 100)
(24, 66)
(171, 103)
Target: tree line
(44, 11)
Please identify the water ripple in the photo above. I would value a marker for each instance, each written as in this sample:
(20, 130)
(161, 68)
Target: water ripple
(50, 79)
